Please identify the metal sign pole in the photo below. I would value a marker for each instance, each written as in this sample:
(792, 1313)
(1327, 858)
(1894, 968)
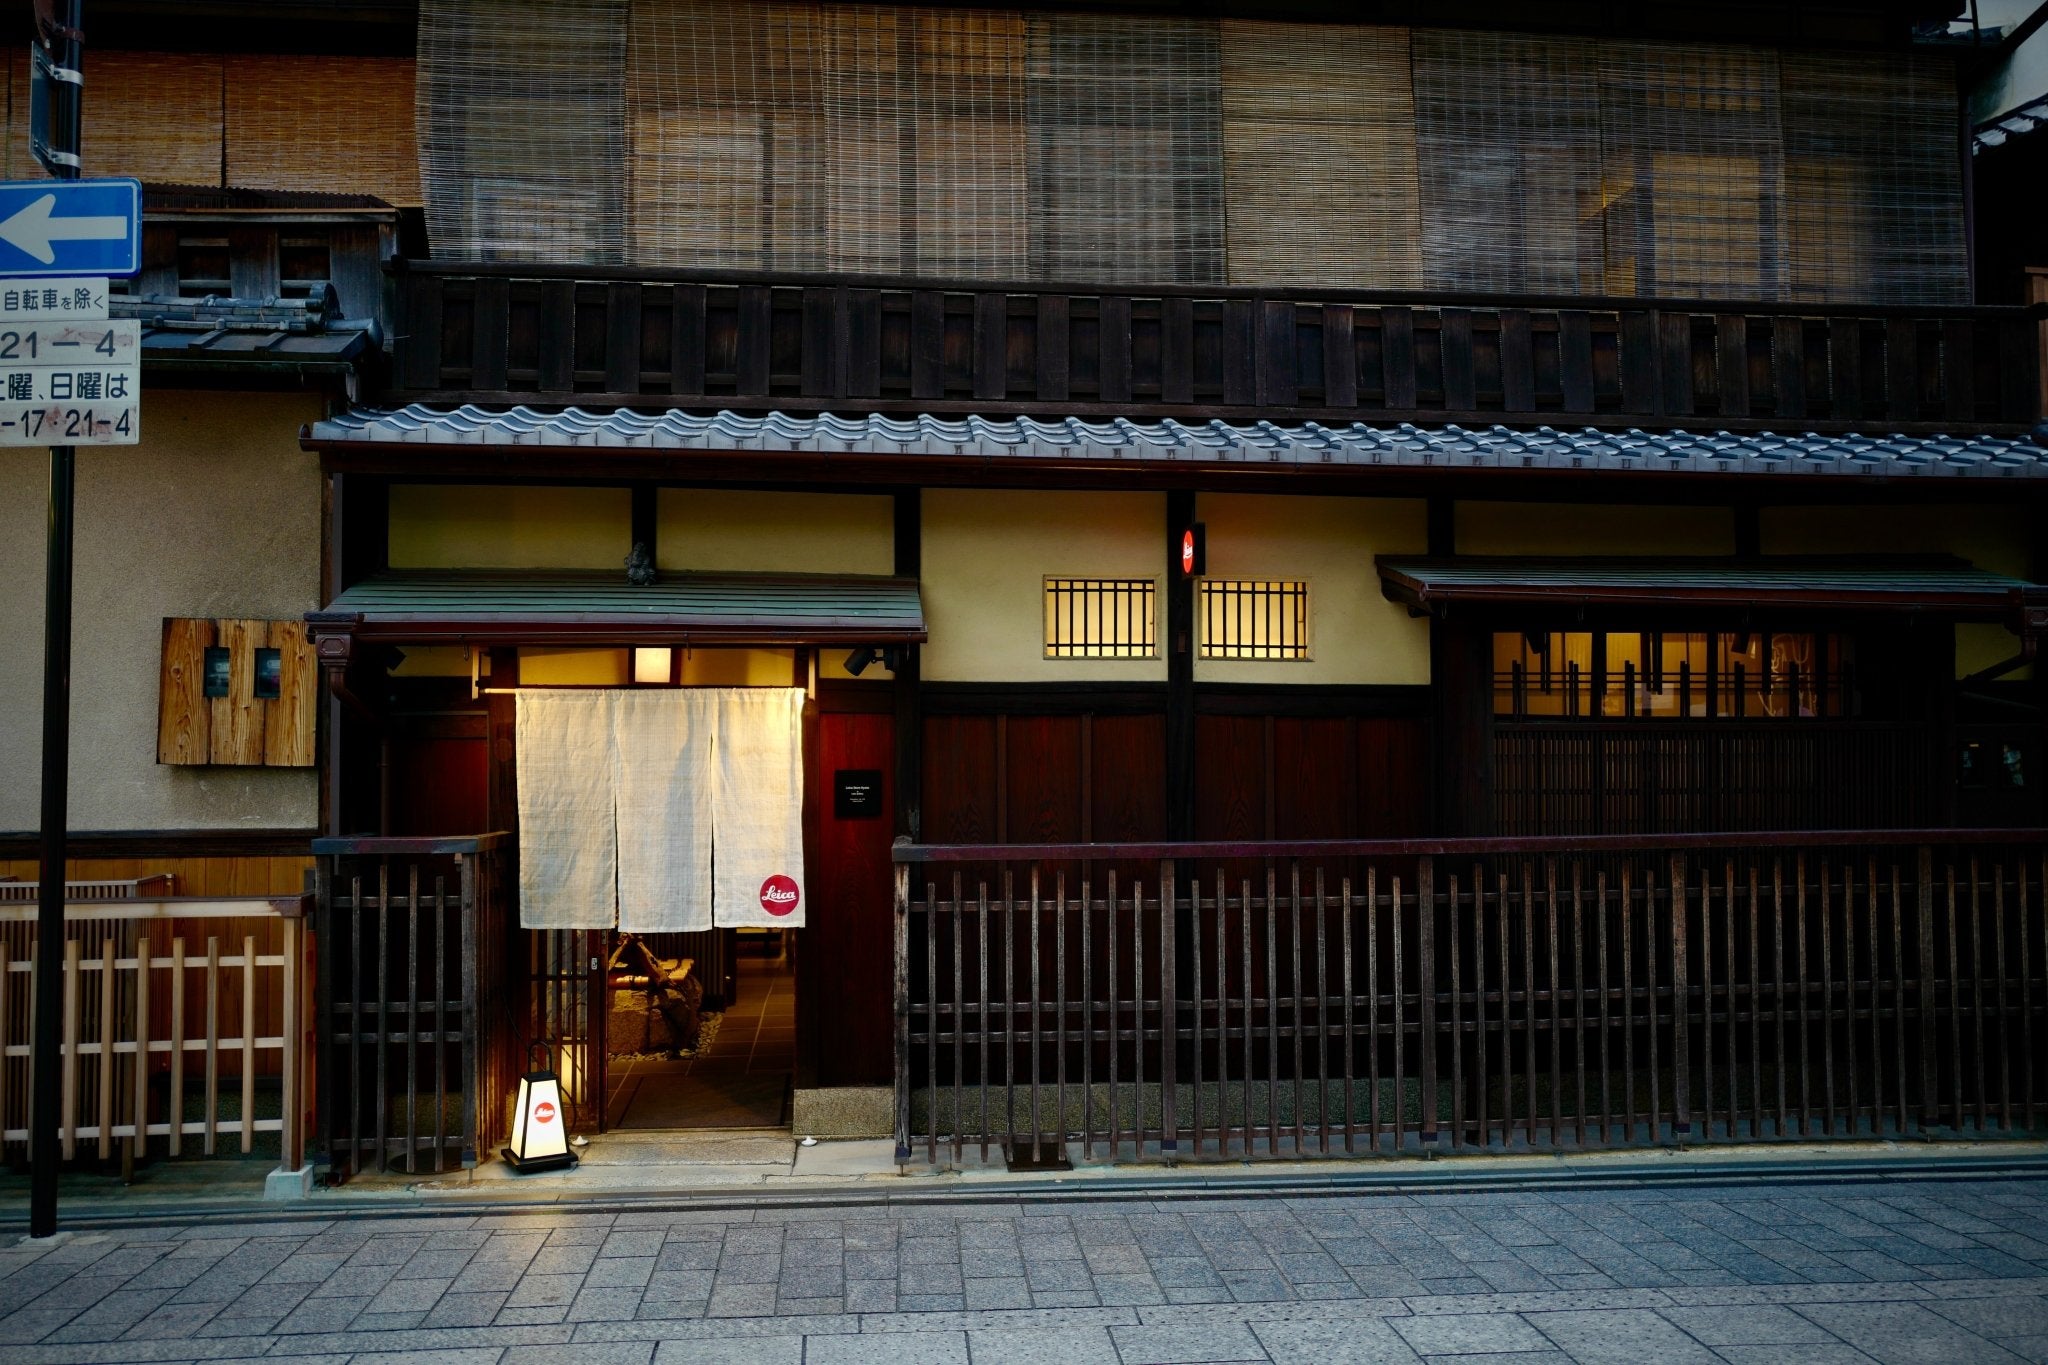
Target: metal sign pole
(65, 44)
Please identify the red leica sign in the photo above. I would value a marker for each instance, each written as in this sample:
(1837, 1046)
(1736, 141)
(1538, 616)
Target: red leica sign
(1187, 550)
(779, 895)
(543, 1112)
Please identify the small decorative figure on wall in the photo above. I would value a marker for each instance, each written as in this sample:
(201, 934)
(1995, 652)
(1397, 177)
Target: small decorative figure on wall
(640, 566)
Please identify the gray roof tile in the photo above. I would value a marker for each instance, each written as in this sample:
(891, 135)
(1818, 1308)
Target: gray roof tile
(1210, 443)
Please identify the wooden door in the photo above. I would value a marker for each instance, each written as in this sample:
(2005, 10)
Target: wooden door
(845, 951)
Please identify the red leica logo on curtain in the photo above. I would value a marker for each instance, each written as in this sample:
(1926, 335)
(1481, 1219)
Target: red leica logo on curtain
(778, 895)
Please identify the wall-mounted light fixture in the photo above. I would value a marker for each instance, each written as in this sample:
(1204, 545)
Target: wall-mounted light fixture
(653, 667)
(890, 656)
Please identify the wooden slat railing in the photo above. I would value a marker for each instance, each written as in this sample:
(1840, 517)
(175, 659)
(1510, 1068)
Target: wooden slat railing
(184, 1019)
(418, 1041)
(1361, 997)
(753, 343)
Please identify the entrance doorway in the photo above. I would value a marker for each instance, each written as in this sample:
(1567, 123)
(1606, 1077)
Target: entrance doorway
(739, 1075)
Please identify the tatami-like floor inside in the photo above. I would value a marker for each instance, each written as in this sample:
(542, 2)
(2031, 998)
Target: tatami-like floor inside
(741, 1079)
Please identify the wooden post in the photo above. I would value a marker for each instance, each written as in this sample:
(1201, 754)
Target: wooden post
(1681, 1070)
(1425, 994)
(1930, 1019)
(471, 1012)
(106, 1077)
(1169, 1032)
(292, 1137)
(902, 1008)
(67, 1113)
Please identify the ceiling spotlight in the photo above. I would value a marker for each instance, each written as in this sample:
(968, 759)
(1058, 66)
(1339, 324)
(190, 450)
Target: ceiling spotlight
(858, 661)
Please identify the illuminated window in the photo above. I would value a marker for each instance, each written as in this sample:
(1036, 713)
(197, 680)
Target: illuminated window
(1650, 675)
(1100, 618)
(1253, 619)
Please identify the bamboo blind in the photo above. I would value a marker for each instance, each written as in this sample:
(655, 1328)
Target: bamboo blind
(332, 124)
(522, 116)
(342, 125)
(1059, 146)
(1319, 172)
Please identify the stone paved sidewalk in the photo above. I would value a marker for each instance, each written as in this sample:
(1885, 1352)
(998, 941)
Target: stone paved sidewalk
(1887, 1271)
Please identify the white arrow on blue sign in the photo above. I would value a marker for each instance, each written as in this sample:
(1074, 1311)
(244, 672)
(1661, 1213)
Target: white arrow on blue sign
(70, 227)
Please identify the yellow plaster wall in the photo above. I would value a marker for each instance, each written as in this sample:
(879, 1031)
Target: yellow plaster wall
(1993, 537)
(739, 668)
(575, 667)
(987, 555)
(743, 531)
(481, 526)
(1548, 528)
(1355, 634)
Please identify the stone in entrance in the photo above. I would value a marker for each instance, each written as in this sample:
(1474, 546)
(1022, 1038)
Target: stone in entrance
(656, 1003)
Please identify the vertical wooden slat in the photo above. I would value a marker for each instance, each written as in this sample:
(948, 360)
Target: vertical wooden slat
(1087, 1020)
(1198, 1070)
(1788, 365)
(1784, 1115)
(212, 1115)
(1115, 1013)
(1340, 357)
(1060, 1033)
(1930, 1016)
(1731, 363)
(1400, 1015)
(1517, 361)
(1628, 1001)
(991, 344)
(1899, 1016)
(412, 1014)
(1681, 1000)
(1274, 361)
(1350, 1037)
(1177, 350)
(184, 715)
(1054, 340)
(235, 728)
(1397, 357)
(145, 954)
(1804, 1013)
(419, 348)
(1372, 1005)
(1009, 1012)
(927, 344)
(290, 720)
(1674, 338)
(557, 336)
(106, 1067)
(1959, 370)
(1830, 1117)
(1425, 986)
(292, 1139)
(67, 1114)
(1640, 388)
(817, 335)
(490, 330)
(1845, 368)
(1454, 336)
(981, 1019)
(439, 983)
(2004, 1015)
(1113, 348)
(1169, 1013)
(959, 1023)
(1902, 369)
(248, 1042)
(1575, 359)
(1454, 939)
(1294, 1010)
(1579, 990)
(1270, 1025)
(177, 1114)
(1239, 375)
(686, 340)
(753, 345)
(1852, 1074)
(622, 337)
(1037, 1125)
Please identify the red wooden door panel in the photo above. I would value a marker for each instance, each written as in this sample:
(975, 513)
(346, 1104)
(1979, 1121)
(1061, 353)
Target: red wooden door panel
(846, 952)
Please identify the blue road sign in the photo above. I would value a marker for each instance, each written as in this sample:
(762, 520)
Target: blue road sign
(70, 227)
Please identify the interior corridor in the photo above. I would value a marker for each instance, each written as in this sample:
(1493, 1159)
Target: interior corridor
(741, 1080)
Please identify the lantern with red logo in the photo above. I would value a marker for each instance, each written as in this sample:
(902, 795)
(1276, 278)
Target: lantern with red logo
(1190, 553)
(540, 1140)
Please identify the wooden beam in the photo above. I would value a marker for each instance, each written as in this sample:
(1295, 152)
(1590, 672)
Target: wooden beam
(1180, 671)
(908, 737)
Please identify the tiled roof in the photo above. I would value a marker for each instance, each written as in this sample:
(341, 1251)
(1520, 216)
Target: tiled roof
(1211, 443)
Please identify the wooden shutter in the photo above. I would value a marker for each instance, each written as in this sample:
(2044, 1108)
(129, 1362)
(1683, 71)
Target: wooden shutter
(240, 729)
(341, 125)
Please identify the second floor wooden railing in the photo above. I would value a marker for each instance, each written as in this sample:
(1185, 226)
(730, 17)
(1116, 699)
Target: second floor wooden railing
(754, 343)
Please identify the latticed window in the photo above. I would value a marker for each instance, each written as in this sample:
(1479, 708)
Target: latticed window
(1245, 618)
(1649, 675)
(1101, 618)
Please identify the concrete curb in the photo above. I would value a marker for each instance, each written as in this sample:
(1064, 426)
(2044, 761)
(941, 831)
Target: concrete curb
(1433, 1179)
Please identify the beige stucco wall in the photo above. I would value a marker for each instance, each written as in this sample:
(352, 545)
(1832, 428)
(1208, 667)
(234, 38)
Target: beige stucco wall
(1991, 536)
(1355, 634)
(1557, 528)
(481, 526)
(987, 555)
(744, 531)
(215, 513)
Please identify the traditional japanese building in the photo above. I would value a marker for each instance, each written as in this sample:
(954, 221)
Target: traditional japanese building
(1337, 444)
